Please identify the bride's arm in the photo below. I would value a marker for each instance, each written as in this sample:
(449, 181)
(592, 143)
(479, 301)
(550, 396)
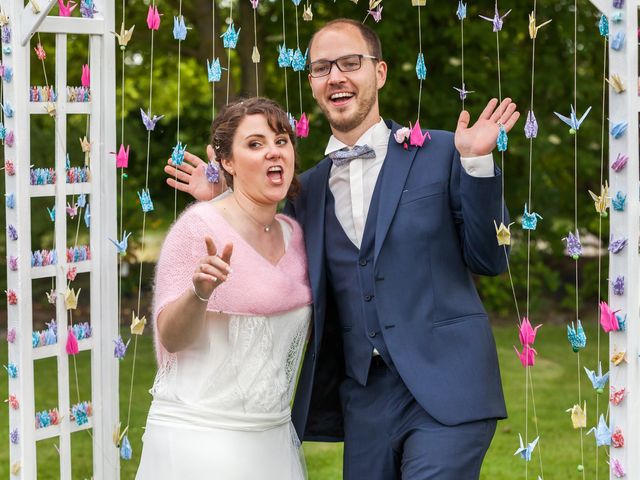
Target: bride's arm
(179, 324)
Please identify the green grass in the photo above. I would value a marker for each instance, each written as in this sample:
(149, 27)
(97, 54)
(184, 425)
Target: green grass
(554, 378)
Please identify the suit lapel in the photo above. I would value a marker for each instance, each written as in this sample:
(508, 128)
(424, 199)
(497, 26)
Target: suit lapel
(394, 175)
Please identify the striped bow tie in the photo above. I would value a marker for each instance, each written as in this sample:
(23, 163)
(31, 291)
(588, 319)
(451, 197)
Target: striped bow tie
(344, 156)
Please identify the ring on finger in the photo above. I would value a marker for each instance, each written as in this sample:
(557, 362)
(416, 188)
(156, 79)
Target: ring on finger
(215, 279)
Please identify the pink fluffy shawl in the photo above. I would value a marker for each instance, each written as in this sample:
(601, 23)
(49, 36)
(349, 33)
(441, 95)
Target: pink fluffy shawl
(255, 287)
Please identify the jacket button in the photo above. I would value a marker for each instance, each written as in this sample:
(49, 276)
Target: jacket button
(367, 298)
(363, 262)
(372, 334)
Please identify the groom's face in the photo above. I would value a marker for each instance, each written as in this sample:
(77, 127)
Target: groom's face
(347, 99)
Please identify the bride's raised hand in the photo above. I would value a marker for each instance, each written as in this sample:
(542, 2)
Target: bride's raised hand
(212, 269)
(190, 177)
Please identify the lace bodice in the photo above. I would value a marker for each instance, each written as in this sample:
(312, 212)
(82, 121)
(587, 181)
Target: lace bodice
(241, 365)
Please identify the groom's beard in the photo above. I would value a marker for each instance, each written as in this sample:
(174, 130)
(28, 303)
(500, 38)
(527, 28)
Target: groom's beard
(365, 102)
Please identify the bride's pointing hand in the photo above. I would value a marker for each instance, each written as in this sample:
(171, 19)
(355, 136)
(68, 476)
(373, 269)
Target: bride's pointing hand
(212, 269)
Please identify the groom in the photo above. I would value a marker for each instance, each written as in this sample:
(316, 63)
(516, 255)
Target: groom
(401, 363)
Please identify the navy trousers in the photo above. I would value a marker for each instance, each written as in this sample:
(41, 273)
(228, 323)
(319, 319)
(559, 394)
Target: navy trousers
(389, 436)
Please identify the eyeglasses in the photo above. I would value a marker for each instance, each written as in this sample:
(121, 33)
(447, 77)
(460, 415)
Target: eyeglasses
(348, 63)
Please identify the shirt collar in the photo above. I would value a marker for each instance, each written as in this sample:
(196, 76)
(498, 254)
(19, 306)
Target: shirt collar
(379, 131)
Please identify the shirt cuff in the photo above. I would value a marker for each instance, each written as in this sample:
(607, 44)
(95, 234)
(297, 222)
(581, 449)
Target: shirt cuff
(478, 166)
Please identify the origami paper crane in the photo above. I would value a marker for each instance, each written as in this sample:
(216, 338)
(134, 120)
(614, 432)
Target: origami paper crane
(72, 211)
(177, 154)
(9, 139)
(71, 274)
(299, 61)
(145, 200)
(230, 37)
(530, 220)
(576, 336)
(7, 109)
(13, 263)
(12, 233)
(421, 69)
(616, 83)
(603, 26)
(616, 246)
(50, 108)
(86, 76)
(71, 298)
(617, 17)
(574, 247)
(414, 3)
(11, 335)
(285, 56)
(10, 200)
(65, 10)
(573, 121)
(150, 123)
(13, 435)
(254, 3)
(122, 158)
(608, 318)
(502, 141)
(13, 402)
(179, 28)
(87, 8)
(153, 18)
(51, 296)
(579, 416)
(527, 333)
(618, 285)
(297, 2)
(597, 380)
(120, 348)
(416, 137)
(302, 126)
(87, 216)
(125, 449)
(85, 145)
(618, 357)
(461, 11)
(616, 396)
(617, 469)
(617, 129)
(40, 53)
(7, 73)
(503, 233)
(255, 55)
(527, 356)
(533, 29)
(376, 13)
(12, 297)
(307, 14)
(497, 20)
(214, 71)
(617, 42)
(124, 37)
(121, 246)
(601, 432)
(137, 324)
(525, 452)
(463, 91)
(72, 343)
(212, 172)
(602, 201)
(4, 19)
(620, 162)
(5, 34)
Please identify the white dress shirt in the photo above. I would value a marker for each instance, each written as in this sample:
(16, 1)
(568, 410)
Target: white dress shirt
(352, 184)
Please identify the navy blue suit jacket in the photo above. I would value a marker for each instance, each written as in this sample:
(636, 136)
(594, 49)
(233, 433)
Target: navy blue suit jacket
(434, 229)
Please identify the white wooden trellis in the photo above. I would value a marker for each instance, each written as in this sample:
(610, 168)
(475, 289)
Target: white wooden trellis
(101, 189)
(624, 107)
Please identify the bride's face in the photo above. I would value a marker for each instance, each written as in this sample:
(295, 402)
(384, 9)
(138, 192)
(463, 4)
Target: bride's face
(262, 161)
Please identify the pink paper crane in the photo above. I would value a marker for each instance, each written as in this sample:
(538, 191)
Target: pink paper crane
(72, 343)
(417, 138)
(527, 356)
(40, 53)
(527, 333)
(65, 10)
(153, 18)
(86, 76)
(608, 318)
(302, 126)
(122, 158)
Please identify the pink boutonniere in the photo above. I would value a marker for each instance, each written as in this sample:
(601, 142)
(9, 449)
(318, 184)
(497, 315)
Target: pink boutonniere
(413, 136)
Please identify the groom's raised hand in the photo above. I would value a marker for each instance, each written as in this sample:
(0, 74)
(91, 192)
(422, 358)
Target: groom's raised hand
(480, 139)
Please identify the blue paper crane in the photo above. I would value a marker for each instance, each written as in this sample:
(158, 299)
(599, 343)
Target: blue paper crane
(618, 202)
(145, 200)
(179, 28)
(299, 61)
(285, 56)
(214, 71)
(177, 154)
(601, 432)
(230, 37)
(461, 12)
(123, 244)
(597, 380)
(576, 336)
(525, 452)
(530, 220)
(421, 68)
(573, 122)
(618, 129)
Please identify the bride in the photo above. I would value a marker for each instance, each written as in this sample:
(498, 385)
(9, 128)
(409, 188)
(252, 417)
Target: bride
(232, 310)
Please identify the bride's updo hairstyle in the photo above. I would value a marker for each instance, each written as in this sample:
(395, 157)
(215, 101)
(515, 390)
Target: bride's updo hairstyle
(224, 126)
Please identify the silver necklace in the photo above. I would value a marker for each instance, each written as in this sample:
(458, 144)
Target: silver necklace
(266, 228)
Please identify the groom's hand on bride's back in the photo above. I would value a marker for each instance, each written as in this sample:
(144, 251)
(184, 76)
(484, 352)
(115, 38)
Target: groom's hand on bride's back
(190, 177)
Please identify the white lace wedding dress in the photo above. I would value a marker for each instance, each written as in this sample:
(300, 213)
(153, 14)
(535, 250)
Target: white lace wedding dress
(221, 408)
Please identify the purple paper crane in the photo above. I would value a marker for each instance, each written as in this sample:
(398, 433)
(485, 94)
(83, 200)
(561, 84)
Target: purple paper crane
(463, 91)
(620, 162)
(574, 247)
(617, 469)
(616, 246)
(254, 3)
(212, 172)
(376, 13)
(618, 285)
(150, 122)
(531, 125)
(497, 20)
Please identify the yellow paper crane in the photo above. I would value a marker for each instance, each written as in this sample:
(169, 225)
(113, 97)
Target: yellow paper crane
(307, 14)
(124, 37)
(35, 6)
(503, 234)
(71, 298)
(4, 19)
(137, 324)
(533, 29)
(374, 3)
(618, 357)
(15, 468)
(418, 3)
(85, 144)
(602, 201)
(579, 416)
(50, 107)
(616, 83)
(255, 55)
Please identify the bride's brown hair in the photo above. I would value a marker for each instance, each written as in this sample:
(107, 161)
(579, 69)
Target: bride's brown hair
(224, 126)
